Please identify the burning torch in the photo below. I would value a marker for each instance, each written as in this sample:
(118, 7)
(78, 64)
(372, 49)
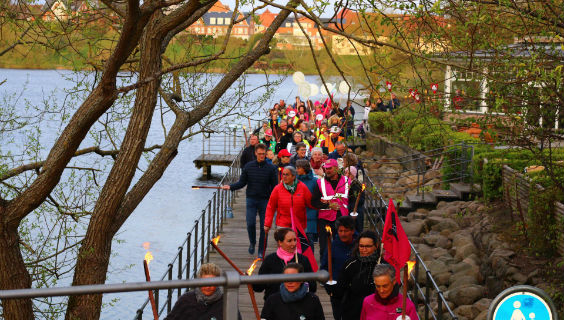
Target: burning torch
(330, 255)
(214, 243)
(148, 258)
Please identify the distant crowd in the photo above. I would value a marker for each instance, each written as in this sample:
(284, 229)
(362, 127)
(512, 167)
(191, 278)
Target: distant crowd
(304, 182)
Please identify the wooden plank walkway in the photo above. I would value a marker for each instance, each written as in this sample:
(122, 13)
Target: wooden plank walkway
(234, 242)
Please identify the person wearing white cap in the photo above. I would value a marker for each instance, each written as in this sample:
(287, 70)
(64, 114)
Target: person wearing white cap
(333, 138)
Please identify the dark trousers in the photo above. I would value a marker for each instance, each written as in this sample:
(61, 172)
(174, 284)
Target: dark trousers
(321, 223)
(256, 206)
(336, 306)
(359, 220)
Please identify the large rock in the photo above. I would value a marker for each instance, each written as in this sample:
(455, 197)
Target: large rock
(437, 267)
(461, 267)
(461, 237)
(440, 252)
(466, 311)
(435, 239)
(413, 228)
(446, 224)
(482, 304)
(462, 281)
(432, 174)
(473, 272)
(441, 279)
(466, 294)
(465, 250)
(416, 215)
(408, 182)
(482, 315)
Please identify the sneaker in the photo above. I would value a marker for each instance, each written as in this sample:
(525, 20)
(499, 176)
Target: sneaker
(252, 249)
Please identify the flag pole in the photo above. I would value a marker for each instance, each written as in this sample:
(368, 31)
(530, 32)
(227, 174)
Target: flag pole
(404, 298)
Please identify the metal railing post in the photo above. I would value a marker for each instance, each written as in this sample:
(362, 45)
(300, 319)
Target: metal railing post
(188, 247)
(202, 252)
(139, 314)
(169, 293)
(231, 296)
(179, 276)
(209, 231)
(427, 294)
(196, 248)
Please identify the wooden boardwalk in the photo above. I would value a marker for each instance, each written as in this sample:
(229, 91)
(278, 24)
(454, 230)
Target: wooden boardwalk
(234, 242)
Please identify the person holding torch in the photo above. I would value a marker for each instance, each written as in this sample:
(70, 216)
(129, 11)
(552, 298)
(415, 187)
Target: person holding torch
(260, 178)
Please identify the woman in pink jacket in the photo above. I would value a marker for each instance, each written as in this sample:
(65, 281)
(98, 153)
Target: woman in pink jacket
(386, 303)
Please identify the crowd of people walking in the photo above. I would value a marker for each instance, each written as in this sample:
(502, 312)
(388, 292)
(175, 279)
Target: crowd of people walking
(306, 185)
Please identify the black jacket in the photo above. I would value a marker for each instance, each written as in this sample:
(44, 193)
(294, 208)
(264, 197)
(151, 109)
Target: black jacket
(272, 264)
(284, 140)
(260, 179)
(276, 309)
(354, 284)
(188, 308)
(248, 155)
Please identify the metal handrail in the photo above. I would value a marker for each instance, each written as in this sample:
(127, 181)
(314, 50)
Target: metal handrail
(231, 281)
(197, 240)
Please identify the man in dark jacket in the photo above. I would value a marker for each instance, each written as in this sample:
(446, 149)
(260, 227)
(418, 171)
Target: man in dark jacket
(248, 153)
(260, 178)
(339, 152)
(341, 249)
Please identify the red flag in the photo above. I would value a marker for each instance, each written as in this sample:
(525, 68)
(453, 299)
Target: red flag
(396, 245)
(302, 244)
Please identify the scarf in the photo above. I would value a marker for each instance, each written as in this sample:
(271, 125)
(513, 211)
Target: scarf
(285, 255)
(291, 188)
(390, 299)
(299, 294)
(369, 259)
(202, 298)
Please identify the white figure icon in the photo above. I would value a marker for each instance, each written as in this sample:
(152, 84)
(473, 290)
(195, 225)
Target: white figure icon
(517, 314)
(532, 316)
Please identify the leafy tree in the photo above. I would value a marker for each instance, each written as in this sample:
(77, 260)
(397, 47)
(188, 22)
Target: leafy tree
(138, 35)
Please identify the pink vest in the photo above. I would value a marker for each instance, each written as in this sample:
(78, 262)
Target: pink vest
(339, 196)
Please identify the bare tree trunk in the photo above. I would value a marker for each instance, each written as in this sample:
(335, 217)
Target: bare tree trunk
(13, 273)
(95, 251)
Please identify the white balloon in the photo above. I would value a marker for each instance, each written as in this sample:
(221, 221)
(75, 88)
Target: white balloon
(323, 90)
(344, 87)
(304, 90)
(298, 77)
(314, 89)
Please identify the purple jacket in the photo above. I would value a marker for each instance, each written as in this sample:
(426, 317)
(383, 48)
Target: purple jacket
(374, 310)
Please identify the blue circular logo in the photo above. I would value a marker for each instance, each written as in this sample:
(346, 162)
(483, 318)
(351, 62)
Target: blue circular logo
(522, 303)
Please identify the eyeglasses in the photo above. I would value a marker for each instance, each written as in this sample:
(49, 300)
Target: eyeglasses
(287, 174)
(365, 247)
(261, 153)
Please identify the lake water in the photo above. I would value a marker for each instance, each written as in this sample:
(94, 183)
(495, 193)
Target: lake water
(167, 212)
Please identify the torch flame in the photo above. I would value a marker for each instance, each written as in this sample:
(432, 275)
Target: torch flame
(195, 188)
(244, 128)
(216, 239)
(363, 187)
(253, 266)
(148, 257)
(410, 267)
(328, 229)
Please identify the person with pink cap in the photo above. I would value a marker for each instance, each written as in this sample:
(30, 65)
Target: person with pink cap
(330, 197)
(268, 141)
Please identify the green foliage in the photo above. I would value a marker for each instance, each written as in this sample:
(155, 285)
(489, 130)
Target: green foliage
(544, 225)
(380, 122)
